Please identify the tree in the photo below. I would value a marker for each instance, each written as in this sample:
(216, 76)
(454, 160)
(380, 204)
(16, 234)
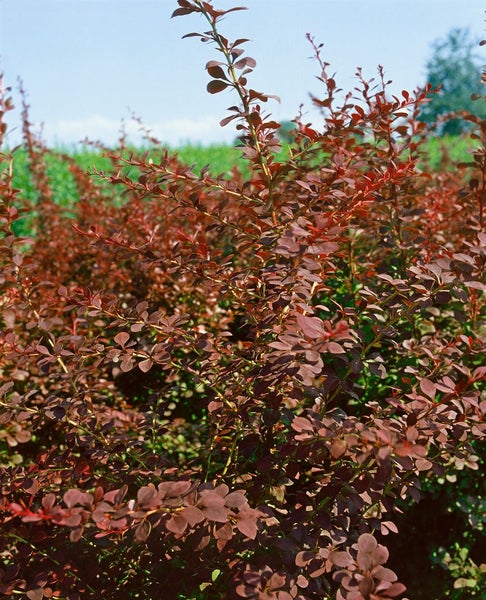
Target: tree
(456, 68)
(287, 130)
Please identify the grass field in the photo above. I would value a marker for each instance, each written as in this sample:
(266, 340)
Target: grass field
(221, 159)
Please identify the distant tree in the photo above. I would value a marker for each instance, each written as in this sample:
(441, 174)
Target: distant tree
(456, 67)
(286, 131)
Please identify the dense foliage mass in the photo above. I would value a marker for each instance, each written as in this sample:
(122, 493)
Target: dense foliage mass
(241, 386)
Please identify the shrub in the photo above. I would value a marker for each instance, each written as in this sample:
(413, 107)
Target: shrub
(220, 387)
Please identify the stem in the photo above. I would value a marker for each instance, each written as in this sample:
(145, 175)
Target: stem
(241, 93)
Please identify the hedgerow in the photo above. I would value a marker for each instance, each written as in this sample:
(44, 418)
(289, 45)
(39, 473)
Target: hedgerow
(241, 386)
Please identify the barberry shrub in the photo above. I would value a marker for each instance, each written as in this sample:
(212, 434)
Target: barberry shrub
(237, 386)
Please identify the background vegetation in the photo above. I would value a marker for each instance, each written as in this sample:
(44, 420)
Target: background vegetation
(454, 68)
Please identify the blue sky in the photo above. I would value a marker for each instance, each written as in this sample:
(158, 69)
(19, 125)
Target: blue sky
(89, 64)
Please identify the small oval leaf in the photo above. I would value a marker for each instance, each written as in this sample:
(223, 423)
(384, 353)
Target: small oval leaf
(216, 85)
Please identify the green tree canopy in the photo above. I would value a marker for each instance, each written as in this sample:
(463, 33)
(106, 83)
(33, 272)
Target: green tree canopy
(455, 66)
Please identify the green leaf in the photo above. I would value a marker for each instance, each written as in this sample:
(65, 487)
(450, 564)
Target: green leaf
(463, 582)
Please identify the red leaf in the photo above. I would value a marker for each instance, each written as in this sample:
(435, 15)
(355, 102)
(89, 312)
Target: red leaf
(31, 486)
(179, 12)
(212, 505)
(245, 62)
(384, 574)
(428, 388)
(245, 591)
(176, 524)
(341, 559)
(173, 489)
(387, 526)
(126, 364)
(73, 497)
(76, 534)
(225, 532)
(147, 497)
(247, 526)
(304, 557)
(73, 520)
(367, 543)
(222, 489)
(304, 185)
(366, 586)
(216, 71)
(311, 326)
(334, 348)
(227, 120)
(395, 590)
(49, 500)
(479, 374)
(338, 448)
(43, 350)
(380, 555)
(120, 494)
(192, 515)
(145, 365)
(216, 513)
(302, 424)
(142, 531)
(216, 85)
(235, 8)
(122, 338)
(195, 34)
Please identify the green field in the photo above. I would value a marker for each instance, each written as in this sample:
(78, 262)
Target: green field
(221, 159)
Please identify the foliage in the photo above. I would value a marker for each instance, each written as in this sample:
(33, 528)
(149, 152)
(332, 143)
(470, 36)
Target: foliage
(237, 386)
(445, 152)
(437, 154)
(456, 69)
(469, 578)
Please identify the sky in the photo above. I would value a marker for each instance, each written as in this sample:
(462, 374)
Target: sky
(89, 65)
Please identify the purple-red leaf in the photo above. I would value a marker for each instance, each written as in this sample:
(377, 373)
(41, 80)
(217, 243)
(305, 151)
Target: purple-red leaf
(122, 338)
(428, 388)
(73, 497)
(312, 327)
(216, 85)
(247, 526)
(247, 62)
(235, 500)
(192, 515)
(176, 524)
(145, 365)
(216, 71)
(395, 589)
(142, 531)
